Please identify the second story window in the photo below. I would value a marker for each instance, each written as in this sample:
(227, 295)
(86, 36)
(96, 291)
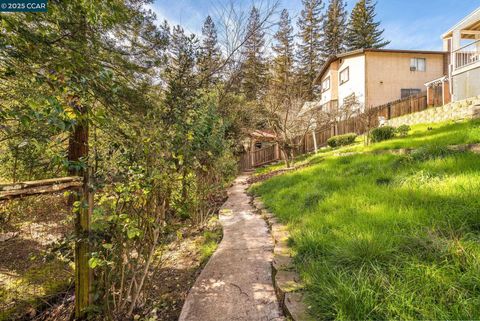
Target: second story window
(344, 75)
(418, 64)
(326, 84)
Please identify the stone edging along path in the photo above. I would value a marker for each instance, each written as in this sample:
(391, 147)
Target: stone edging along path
(286, 280)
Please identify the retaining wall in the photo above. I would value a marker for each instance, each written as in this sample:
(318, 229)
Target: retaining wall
(464, 109)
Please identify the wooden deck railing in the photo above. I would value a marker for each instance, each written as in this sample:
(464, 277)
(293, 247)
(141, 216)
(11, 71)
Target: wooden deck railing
(467, 55)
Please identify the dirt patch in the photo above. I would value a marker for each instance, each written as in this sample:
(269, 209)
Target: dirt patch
(28, 276)
(262, 177)
(180, 261)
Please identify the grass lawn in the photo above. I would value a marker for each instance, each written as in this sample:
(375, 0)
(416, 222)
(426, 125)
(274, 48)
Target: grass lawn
(388, 236)
(438, 134)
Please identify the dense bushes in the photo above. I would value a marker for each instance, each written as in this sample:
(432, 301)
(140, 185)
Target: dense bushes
(158, 154)
(382, 133)
(403, 130)
(376, 135)
(341, 140)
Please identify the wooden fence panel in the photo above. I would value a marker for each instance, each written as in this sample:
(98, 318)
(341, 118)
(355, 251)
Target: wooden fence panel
(356, 125)
(245, 162)
(264, 155)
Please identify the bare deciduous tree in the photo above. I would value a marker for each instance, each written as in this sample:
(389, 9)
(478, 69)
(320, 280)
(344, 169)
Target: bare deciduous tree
(232, 31)
(369, 120)
(290, 121)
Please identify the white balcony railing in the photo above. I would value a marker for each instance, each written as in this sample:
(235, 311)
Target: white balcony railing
(467, 55)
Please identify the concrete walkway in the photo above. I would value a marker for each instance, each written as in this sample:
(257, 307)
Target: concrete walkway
(236, 284)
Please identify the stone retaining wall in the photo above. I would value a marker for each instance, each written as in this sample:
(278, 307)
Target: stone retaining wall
(464, 109)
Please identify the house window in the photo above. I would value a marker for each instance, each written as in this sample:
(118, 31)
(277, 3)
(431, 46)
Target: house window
(418, 64)
(344, 75)
(326, 84)
(409, 92)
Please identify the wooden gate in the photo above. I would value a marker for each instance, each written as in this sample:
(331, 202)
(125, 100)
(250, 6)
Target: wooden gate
(259, 157)
(264, 155)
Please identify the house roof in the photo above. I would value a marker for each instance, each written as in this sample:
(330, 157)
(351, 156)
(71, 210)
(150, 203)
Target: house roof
(470, 21)
(259, 134)
(363, 51)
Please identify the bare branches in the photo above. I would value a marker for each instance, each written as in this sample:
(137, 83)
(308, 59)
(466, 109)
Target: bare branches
(232, 23)
(289, 120)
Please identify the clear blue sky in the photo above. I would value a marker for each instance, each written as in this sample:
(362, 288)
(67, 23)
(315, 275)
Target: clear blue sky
(408, 24)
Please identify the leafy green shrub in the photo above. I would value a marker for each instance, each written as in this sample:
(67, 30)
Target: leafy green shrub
(341, 140)
(403, 130)
(382, 133)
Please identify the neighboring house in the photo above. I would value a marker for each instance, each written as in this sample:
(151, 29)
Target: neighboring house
(377, 76)
(462, 42)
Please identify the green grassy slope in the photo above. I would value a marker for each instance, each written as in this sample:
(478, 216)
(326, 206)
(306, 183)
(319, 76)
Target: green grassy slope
(438, 134)
(388, 236)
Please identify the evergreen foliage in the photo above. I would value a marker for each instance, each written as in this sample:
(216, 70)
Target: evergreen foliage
(284, 55)
(310, 52)
(254, 69)
(209, 60)
(335, 27)
(363, 31)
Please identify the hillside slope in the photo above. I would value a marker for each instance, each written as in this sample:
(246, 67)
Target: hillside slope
(383, 236)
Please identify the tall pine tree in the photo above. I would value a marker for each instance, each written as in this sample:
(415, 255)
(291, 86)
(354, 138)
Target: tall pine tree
(254, 65)
(335, 27)
(210, 57)
(284, 55)
(363, 31)
(310, 49)
(180, 76)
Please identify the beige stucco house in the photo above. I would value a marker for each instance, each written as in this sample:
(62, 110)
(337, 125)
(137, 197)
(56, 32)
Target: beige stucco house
(462, 42)
(377, 76)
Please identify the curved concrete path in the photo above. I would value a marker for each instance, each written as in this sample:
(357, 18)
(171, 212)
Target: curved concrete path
(236, 283)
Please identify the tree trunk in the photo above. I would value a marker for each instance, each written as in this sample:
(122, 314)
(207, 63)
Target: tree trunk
(77, 152)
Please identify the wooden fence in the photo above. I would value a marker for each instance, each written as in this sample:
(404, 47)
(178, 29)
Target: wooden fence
(264, 156)
(259, 157)
(356, 124)
(46, 186)
(83, 273)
